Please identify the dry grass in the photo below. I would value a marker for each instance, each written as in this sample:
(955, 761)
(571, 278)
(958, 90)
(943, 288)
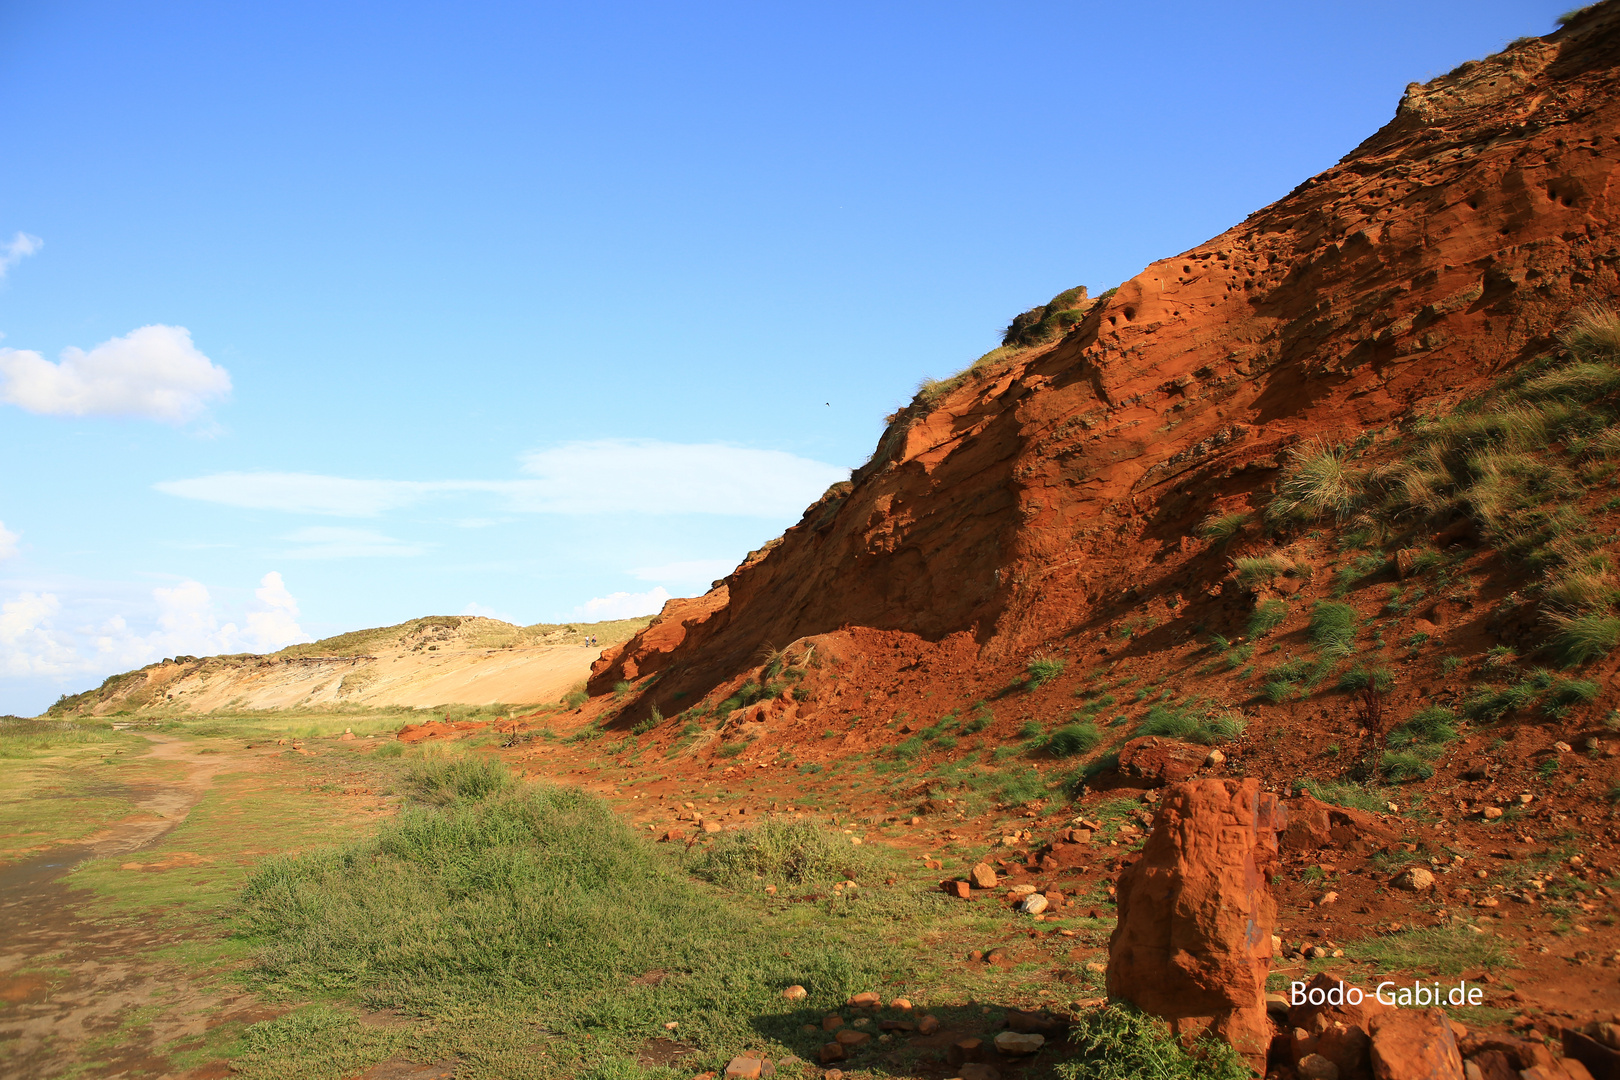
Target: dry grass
(1316, 482)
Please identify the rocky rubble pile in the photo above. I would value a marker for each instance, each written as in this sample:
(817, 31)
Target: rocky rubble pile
(1195, 940)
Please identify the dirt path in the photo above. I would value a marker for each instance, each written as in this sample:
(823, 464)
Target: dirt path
(68, 983)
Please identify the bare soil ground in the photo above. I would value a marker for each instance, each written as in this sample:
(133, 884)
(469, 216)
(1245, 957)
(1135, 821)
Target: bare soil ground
(103, 971)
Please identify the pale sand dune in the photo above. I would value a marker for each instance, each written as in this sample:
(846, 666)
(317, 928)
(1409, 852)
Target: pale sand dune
(421, 664)
(481, 677)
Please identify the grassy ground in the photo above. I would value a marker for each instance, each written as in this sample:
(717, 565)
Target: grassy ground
(487, 904)
(61, 783)
(521, 929)
(329, 907)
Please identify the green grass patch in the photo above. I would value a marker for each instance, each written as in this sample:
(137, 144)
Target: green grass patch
(1266, 617)
(1079, 737)
(1333, 628)
(1041, 671)
(1449, 950)
(1119, 1043)
(480, 916)
(1196, 721)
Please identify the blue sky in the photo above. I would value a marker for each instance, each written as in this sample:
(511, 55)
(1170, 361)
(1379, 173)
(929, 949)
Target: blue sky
(328, 315)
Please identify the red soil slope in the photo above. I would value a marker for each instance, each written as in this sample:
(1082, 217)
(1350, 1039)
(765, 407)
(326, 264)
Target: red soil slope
(1038, 499)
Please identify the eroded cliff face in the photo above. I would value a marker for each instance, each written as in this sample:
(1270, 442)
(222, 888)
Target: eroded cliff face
(1064, 481)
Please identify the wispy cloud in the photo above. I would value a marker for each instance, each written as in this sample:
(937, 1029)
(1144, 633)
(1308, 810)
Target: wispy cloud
(16, 250)
(611, 476)
(155, 373)
(645, 476)
(8, 542)
(324, 542)
(299, 493)
(621, 605)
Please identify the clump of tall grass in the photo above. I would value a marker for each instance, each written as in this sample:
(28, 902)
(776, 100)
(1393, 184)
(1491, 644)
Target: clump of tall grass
(1079, 737)
(784, 853)
(1580, 590)
(441, 779)
(1254, 569)
(1266, 617)
(1340, 793)
(1120, 1043)
(1333, 628)
(1042, 670)
(1414, 744)
(1282, 681)
(1192, 722)
(1361, 677)
(1593, 336)
(1222, 528)
(1316, 482)
(1581, 639)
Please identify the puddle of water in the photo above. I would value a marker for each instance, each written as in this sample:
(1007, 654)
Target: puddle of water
(22, 876)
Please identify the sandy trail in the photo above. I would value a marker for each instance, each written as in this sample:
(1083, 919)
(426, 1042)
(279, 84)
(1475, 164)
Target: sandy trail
(67, 982)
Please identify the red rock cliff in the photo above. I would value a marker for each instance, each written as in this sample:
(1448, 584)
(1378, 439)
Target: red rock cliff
(1042, 489)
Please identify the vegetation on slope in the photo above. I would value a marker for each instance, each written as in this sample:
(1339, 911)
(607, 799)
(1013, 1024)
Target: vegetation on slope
(489, 903)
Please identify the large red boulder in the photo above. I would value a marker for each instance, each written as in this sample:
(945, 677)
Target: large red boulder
(1313, 825)
(1193, 941)
(1414, 1044)
(1160, 761)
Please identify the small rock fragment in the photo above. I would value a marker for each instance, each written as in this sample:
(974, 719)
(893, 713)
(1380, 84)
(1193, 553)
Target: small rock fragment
(1316, 1067)
(1414, 879)
(1019, 1043)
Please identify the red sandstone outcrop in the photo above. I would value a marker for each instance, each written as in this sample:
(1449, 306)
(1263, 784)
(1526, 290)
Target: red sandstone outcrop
(1414, 1044)
(1313, 825)
(1193, 941)
(1160, 761)
(1017, 504)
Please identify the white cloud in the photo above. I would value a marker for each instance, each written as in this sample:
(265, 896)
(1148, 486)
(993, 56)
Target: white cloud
(487, 612)
(299, 493)
(181, 620)
(696, 573)
(154, 372)
(610, 476)
(644, 476)
(8, 542)
(276, 625)
(621, 605)
(21, 246)
(325, 542)
(29, 644)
